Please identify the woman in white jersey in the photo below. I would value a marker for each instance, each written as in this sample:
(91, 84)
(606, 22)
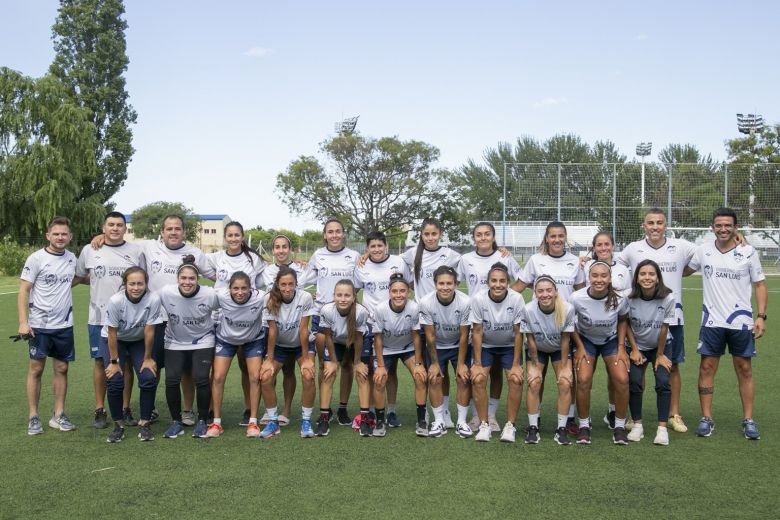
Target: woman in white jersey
(189, 341)
(548, 325)
(497, 341)
(343, 322)
(128, 335)
(326, 267)
(288, 310)
(239, 329)
(396, 326)
(602, 320)
(444, 316)
(651, 311)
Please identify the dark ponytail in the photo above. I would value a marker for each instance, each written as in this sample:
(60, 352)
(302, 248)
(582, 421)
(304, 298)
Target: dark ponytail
(492, 230)
(418, 255)
(611, 302)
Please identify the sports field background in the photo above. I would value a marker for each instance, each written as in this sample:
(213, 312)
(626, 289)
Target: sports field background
(78, 474)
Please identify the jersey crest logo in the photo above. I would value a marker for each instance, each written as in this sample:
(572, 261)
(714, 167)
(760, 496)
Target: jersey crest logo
(510, 310)
(457, 316)
(570, 264)
(222, 274)
(100, 271)
(472, 279)
(254, 308)
(202, 307)
(173, 318)
(671, 249)
(50, 279)
(156, 266)
(738, 257)
(370, 286)
(585, 319)
(122, 324)
(348, 258)
(228, 321)
(323, 272)
(708, 271)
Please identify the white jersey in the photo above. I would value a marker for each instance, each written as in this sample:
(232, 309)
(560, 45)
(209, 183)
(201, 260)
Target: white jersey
(162, 263)
(497, 318)
(431, 260)
(374, 279)
(621, 277)
(190, 325)
(326, 268)
(268, 276)
(130, 318)
(397, 328)
(595, 322)
(647, 317)
(671, 257)
(446, 319)
(224, 265)
(727, 281)
(51, 302)
(473, 269)
(288, 319)
(542, 326)
(564, 269)
(240, 323)
(105, 267)
(331, 319)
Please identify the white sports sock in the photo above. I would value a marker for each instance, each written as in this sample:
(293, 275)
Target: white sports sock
(253, 420)
(372, 409)
(446, 402)
(390, 408)
(493, 407)
(620, 423)
(272, 414)
(584, 423)
(306, 413)
(572, 410)
(533, 419)
(463, 413)
(611, 407)
(438, 414)
(562, 421)
(217, 420)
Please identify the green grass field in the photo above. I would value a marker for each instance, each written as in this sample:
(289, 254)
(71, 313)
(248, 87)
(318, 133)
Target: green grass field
(79, 475)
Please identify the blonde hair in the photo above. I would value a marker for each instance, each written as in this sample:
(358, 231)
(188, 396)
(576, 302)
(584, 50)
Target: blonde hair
(559, 303)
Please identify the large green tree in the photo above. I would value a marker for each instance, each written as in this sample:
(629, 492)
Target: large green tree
(46, 157)
(147, 220)
(91, 59)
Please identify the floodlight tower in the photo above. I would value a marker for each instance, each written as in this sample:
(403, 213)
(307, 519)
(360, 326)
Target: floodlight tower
(643, 150)
(749, 124)
(346, 126)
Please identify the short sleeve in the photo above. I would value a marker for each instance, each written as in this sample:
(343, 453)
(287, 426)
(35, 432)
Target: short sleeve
(81, 263)
(30, 269)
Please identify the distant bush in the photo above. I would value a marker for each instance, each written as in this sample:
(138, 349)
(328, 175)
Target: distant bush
(12, 256)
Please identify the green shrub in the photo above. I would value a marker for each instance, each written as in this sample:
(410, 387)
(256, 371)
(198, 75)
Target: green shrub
(12, 256)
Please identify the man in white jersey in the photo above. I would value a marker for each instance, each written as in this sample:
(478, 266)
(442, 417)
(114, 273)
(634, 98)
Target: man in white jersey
(102, 269)
(671, 255)
(45, 306)
(729, 271)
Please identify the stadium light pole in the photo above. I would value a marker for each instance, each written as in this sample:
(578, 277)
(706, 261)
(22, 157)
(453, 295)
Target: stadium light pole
(643, 150)
(503, 212)
(346, 126)
(749, 124)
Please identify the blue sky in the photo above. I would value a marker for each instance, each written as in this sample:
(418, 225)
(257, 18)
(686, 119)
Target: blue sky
(228, 93)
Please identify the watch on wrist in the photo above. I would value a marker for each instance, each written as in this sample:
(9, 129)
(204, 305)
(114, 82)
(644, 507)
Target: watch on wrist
(115, 361)
(761, 315)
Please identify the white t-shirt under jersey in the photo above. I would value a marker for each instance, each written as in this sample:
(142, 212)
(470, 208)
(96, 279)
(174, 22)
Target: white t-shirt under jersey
(331, 319)
(431, 260)
(621, 277)
(647, 317)
(268, 276)
(288, 319)
(473, 269)
(240, 323)
(396, 328)
(728, 280)
(595, 322)
(446, 319)
(105, 267)
(190, 325)
(543, 327)
(224, 265)
(51, 302)
(497, 318)
(374, 279)
(326, 268)
(130, 318)
(564, 269)
(671, 257)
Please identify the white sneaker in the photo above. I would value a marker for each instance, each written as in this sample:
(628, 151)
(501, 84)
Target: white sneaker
(508, 434)
(483, 435)
(188, 418)
(283, 420)
(464, 431)
(437, 429)
(474, 423)
(265, 419)
(494, 426)
(661, 437)
(637, 433)
(448, 420)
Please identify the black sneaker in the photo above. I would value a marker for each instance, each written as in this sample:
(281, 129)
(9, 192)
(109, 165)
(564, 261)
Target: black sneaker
(609, 420)
(561, 437)
(116, 435)
(145, 433)
(365, 428)
(101, 419)
(619, 436)
(155, 416)
(244, 419)
(583, 436)
(343, 417)
(532, 437)
(422, 428)
(323, 428)
(127, 417)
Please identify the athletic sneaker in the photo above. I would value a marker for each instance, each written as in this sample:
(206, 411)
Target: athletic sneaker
(508, 433)
(392, 420)
(572, 428)
(188, 418)
(421, 429)
(343, 417)
(620, 437)
(677, 424)
(252, 430)
(61, 423)
(706, 427)
(532, 437)
(265, 419)
(750, 429)
(101, 419)
(562, 437)
(637, 433)
(323, 427)
(583, 435)
(128, 419)
(448, 420)
(538, 423)
(494, 426)
(200, 430)
(306, 431)
(145, 433)
(437, 429)
(244, 419)
(609, 420)
(474, 423)
(463, 430)
(174, 430)
(661, 437)
(365, 428)
(283, 420)
(271, 429)
(379, 429)
(483, 435)
(214, 430)
(34, 427)
(116, 435)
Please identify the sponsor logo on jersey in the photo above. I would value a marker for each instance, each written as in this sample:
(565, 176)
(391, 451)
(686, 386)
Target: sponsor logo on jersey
(708, 271)
(99, 271)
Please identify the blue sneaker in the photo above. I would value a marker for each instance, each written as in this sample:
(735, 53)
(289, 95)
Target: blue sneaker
(61, 423)
(750, 429)
(200, 430)
(271, 429)
(34, 427)
(392, 420)
(306, 431)
(706, 427)
(175, 430)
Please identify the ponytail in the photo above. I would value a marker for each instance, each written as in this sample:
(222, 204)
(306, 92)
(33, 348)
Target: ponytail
(611, 302)
(274, 303)
(244, 247)
(559, 303)
(492, 230)
(418, 255)
(351, 315)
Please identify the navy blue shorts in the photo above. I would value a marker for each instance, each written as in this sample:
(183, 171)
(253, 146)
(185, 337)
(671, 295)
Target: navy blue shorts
(55, 343)
(450, 355)
(506, 355)
(545, 357)
(392, 356)
(675, 349)
(252, 349)
(713, 342)
(609, 348)
(93, 331)
(342, 350)
(284, 354)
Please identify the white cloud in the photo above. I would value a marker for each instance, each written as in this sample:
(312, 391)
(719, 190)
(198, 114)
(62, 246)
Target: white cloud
(257, 52)
(551, 101)
(641, 37)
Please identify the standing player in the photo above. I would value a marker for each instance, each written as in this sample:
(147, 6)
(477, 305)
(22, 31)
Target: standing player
(45, 306)
(729, 271)
(102, 269)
